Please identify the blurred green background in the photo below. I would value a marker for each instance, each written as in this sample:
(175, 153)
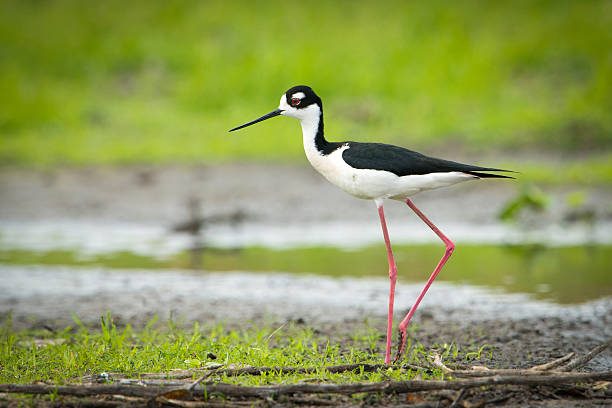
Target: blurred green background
(162, 82)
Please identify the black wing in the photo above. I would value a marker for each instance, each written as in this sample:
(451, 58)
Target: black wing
(404, 162)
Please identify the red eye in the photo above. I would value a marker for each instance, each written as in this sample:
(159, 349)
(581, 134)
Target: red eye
(295, 101)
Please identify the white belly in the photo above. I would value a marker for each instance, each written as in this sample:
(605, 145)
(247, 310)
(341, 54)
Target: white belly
(376, 184)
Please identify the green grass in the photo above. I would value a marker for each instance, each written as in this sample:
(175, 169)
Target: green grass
(74, 352)
(160, 82)
(564, 275)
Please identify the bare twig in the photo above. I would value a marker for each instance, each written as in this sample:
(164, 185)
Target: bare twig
(312, 400)
(367, 368)
(201, 404)
(484, 372)
(459, 398)
(233, 372)
(153, 382)
(543, 369)
(173, 374)
(580, 361)
(199, 380)
(83, 390)
(275, 331)
(553, 364)
(437, 362)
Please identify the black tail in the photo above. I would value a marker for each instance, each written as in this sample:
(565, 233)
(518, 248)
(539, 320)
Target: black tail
(489, 175)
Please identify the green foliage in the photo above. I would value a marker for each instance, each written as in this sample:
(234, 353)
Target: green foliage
(67, 356)
(575, 199)
(139, 81)
(529, 197)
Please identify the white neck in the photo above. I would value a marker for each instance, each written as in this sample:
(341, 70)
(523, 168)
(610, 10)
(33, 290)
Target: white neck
(309, 119)
(309, 132)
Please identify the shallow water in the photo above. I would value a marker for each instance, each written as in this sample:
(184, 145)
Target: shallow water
(52, 293)
(564, 274)
(95, 238)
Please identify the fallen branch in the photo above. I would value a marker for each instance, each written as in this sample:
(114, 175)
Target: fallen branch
(179, 393)
(231, 390)
(539, 370)
(367, 368)
(437, 363)
(234, 372)
(84, 390)
(179, 374)
(398, 387)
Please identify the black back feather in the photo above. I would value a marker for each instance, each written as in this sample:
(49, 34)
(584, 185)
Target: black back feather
(404, 162)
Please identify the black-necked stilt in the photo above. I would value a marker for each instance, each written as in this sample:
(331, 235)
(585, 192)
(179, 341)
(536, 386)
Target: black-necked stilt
(375, 171)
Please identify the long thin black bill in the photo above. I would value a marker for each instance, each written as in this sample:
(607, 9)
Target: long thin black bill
(264, 117)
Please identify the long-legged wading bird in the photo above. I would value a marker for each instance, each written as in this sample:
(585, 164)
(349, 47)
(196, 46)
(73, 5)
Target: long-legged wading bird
(375, 171)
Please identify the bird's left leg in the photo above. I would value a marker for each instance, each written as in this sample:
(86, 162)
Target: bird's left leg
(450, 247)
(392, 278)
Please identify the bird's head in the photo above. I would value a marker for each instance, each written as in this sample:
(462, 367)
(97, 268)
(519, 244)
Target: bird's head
(299, 102)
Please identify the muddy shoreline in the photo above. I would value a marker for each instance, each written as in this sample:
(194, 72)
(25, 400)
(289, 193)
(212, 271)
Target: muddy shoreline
(516, 332)
(164, 194)
(523, 331)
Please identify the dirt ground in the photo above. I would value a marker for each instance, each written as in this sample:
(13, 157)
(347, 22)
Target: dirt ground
(515, 343)
(522, 336)
(162, 194)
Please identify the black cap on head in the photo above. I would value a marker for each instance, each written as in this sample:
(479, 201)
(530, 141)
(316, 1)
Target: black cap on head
(309, 97)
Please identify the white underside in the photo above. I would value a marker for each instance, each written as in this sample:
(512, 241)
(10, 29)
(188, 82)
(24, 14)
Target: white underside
(378, 184)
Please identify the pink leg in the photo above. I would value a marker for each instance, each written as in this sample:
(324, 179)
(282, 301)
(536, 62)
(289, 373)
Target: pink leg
(392, 277)
(449, 250)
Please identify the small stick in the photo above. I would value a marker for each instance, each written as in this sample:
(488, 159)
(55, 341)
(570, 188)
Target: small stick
(580, 361)
(485, 372)
(233, 372)
(275, 331)
(536, 370)
(199, 380)
(553, 364)
(199, 404)
(174, 374)
(458, 399)
(437, 362)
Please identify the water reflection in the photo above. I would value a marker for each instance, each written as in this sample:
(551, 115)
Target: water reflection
(564, 275)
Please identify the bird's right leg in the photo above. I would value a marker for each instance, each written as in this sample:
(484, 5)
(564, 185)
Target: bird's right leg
(392, 278)
(450, 247)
